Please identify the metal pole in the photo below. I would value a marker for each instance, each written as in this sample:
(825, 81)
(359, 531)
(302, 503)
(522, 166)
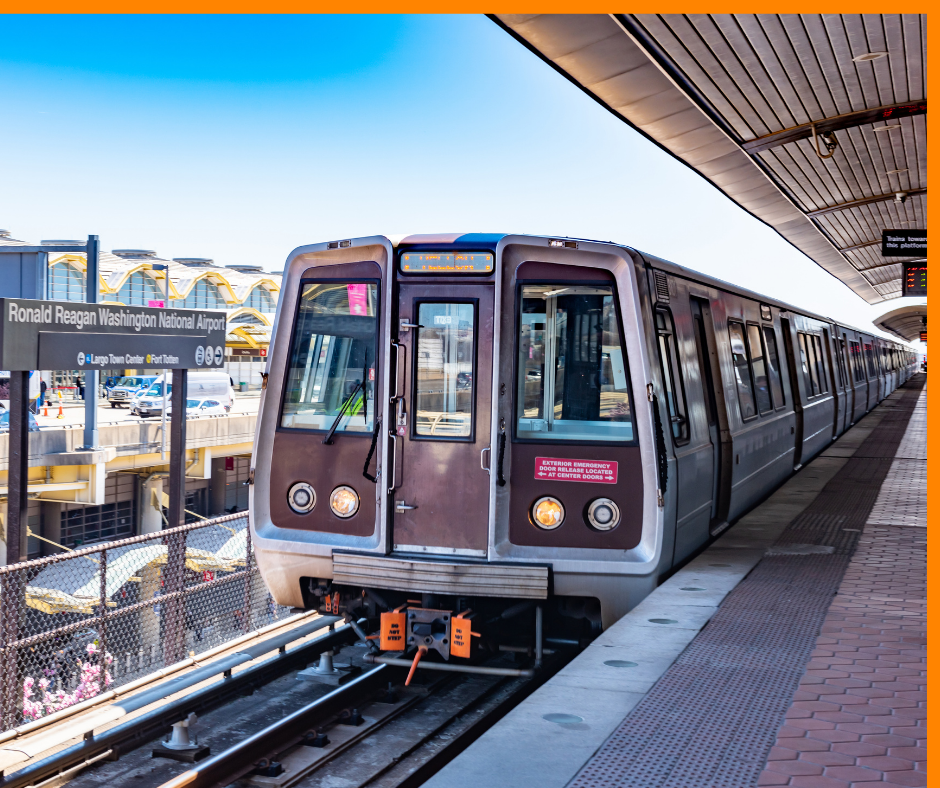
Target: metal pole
(176, 549)
(91, 375)
(18, 452)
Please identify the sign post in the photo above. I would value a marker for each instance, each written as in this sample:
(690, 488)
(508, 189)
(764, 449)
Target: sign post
(63, 335)
(91, 375)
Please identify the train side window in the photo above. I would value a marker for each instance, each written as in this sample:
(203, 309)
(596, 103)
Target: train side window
(871, 360)
(773, 367)
(806, 362)
(742, 371)
(331, 372)
(820, 364)
(672, 379)
(443, 370)
(759, 369)
(573, 380)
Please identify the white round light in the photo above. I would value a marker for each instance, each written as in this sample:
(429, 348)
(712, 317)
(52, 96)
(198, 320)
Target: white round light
(301, 498)
(344, 501)
(603, 514)
(548, 513)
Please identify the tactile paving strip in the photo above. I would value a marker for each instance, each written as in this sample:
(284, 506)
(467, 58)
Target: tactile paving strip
(710, 721)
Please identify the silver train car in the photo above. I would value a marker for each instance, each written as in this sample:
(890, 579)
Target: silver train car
(494, 421)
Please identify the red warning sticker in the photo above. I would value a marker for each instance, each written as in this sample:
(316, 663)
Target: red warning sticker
(557, 469)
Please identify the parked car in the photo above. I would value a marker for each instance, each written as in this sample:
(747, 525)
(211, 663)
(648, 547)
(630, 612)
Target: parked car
(122, 392)
(5, 422)
(200, 407)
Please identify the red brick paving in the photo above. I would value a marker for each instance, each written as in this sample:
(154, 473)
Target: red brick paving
(859, 717)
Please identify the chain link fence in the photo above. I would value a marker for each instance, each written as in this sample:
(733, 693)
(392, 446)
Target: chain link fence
(77, 624)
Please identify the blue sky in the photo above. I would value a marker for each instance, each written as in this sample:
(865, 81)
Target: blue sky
(239, 138)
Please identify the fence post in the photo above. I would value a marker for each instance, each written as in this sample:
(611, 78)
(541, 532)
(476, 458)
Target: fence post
(246, 623)
(102, 621)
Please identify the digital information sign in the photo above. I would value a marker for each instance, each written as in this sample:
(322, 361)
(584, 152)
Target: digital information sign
(915, 279)
(903, 243)
(447, 262)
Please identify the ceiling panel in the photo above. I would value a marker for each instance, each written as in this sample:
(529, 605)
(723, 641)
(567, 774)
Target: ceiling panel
(702, 86)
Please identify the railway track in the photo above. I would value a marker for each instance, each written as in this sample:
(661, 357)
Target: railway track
(265, 728)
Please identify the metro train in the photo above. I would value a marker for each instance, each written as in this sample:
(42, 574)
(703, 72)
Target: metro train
(502, 422)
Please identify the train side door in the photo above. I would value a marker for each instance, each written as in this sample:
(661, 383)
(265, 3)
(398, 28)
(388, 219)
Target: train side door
(713, 397)
(795, 391)
(441, 419)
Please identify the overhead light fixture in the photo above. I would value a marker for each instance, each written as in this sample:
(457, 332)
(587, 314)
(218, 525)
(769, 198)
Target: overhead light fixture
(886, 128)
(900, 197)
(897, 172)
(869, 56)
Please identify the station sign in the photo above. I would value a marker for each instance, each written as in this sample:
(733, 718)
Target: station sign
(903, 243)
(914, 282)
(75, 335)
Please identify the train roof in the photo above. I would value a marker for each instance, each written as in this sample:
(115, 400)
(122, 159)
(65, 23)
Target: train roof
(491, 240)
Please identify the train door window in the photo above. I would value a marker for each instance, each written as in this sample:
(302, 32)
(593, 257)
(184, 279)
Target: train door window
(573, 381)
(820, 363)
(871, 360)
(443, 369)
(742, 372)
(812, 387)
(773, 367)
(672, 379)
(759, 369)
(858, 363)
(843, 370)
(331, 373)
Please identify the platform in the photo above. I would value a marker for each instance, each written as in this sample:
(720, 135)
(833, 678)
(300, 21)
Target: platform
(791, 652)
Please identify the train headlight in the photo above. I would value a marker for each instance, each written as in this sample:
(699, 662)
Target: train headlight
(548, 513)
(301, 497)
(603, 514)
(344, 502)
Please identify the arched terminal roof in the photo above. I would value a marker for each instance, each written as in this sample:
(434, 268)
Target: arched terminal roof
(752, 102)
(906, 322)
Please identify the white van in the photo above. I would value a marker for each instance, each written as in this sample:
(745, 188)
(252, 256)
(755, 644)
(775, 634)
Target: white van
(217, 385)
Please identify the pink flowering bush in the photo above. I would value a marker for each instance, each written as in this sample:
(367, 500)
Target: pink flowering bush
(47, 702)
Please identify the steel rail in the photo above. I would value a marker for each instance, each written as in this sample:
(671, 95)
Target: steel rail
(134, 733)
(238, 760)
(447, 667)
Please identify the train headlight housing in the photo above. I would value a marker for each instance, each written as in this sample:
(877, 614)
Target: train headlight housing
(548, 513)
(344, 501)
(301, 497)
(603, 514)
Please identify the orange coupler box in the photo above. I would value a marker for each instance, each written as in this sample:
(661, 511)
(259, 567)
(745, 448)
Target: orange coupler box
(392, 632)
(460, 637)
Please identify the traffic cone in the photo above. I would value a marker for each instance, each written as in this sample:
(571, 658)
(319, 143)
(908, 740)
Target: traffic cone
(61, 414)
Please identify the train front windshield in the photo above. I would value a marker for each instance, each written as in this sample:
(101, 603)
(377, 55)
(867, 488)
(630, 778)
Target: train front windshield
(573, 377)
(332, 358)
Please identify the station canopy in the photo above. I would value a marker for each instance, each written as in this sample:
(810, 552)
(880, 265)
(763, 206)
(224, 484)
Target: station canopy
(816, 124)
(906, 322)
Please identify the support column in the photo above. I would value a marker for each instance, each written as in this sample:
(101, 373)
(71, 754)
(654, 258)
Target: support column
(91, 375)
(17, 497)
(217, 486)
(174, 628)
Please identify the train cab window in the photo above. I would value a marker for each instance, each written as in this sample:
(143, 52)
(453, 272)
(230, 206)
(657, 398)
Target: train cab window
(573, 380)
(759, 369)
(443, 369)
(331, 370)
(742, 372)
(672, 380)
(773, 367)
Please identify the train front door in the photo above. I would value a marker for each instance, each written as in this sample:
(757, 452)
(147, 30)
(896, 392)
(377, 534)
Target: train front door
(441, 419)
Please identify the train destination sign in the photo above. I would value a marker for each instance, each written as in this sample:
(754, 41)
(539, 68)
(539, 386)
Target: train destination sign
(447, 262)
(70, 335)
(564, 470)
(903, 243)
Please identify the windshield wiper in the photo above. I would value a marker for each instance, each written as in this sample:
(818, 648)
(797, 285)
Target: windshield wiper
(342, 412)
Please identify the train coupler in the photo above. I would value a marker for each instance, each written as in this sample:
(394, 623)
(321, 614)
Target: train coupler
(407, 628)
